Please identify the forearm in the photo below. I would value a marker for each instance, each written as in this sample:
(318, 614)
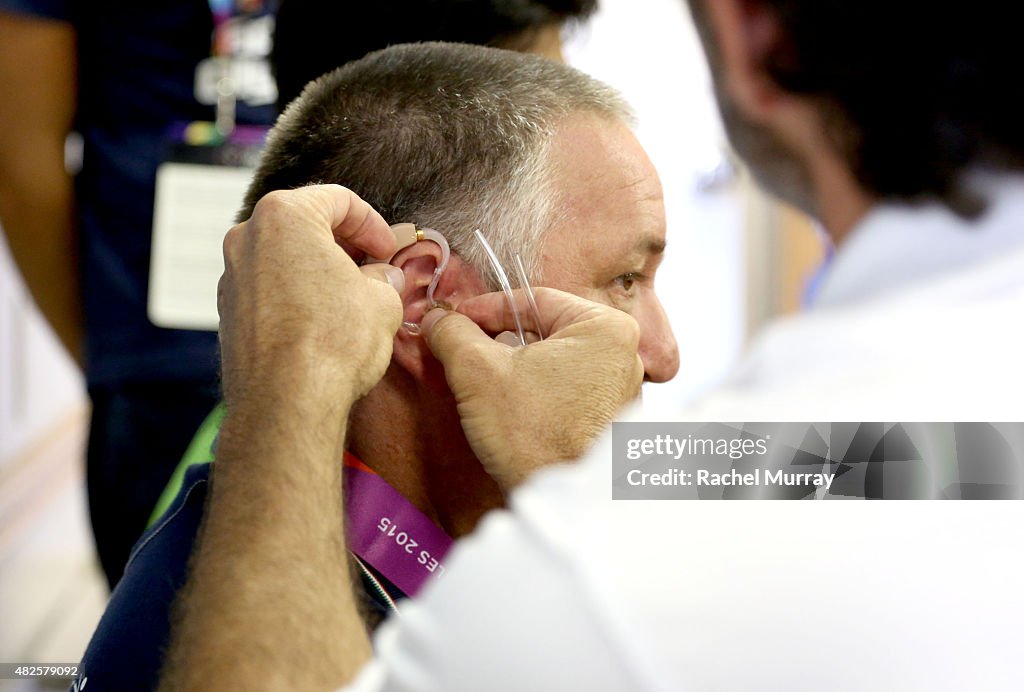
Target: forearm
(38, 71)
(36, 211)
(269, 603)
(304, 333)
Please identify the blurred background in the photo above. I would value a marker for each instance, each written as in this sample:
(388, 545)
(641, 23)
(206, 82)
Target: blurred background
(715, 284)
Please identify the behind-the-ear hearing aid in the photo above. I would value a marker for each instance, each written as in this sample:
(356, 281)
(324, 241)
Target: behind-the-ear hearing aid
(405, 235)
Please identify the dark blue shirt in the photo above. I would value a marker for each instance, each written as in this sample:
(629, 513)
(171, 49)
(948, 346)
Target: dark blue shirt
(136, 65)
(127, 648)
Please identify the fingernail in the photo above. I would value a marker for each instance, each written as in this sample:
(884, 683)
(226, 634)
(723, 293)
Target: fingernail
(432, 318)
(395, 277)
(508, 338)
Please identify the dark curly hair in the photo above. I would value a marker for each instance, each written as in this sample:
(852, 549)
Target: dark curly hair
(315, 36)
(914, 93)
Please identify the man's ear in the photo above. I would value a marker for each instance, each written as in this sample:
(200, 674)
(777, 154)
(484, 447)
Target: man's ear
(459, 281)
(746, 32)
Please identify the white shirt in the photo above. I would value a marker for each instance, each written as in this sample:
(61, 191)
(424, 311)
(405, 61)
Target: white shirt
(919, 320)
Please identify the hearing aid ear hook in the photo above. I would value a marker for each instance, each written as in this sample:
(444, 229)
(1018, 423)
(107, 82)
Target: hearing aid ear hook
(405, 235)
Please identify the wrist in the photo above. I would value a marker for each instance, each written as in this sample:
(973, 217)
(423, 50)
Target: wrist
(291, 376)
(288, 407)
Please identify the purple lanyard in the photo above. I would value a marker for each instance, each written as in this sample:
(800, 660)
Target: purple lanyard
(388, 532)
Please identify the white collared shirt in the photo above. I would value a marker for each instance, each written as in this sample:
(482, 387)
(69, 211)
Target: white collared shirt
(919, 319)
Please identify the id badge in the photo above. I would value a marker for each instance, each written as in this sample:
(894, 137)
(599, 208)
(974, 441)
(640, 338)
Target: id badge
(199, 190)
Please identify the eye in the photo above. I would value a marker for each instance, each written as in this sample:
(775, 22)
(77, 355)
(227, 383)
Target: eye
(626, 281)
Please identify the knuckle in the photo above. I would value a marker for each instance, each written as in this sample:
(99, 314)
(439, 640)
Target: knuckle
(626, 331)
(221, 296)
(232, 239)
(544, 294)
(272, 203)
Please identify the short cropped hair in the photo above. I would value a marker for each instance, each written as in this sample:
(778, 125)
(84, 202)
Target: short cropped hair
(315, 36)
(915, 93)
(448, 136)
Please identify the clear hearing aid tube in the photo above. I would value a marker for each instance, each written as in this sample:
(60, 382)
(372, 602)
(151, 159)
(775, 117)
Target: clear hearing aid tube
(499, 271)
(524, 283)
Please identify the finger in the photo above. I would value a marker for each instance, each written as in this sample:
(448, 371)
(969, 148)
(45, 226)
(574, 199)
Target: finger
(386, 273)
(449, 334)
(353, 223)
(359, 224)
(512, 339)
(391, 307)
(557, 309)
(508, 338)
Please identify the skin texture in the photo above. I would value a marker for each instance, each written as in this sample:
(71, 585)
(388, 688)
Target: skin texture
(781, 136)
(36, 197)
(611, 238)
(288, 399)
(606, 247)
(271, 555)
(605, 185)
(523, 409)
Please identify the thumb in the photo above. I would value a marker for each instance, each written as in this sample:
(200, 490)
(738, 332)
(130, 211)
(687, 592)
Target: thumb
(448, 333)
(386, 273)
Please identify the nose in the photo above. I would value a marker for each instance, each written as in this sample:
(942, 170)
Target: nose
(658, 348)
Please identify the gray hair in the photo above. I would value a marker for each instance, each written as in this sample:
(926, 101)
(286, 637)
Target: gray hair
(448, 136)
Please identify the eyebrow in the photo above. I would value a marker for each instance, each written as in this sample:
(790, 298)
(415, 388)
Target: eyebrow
(650, 246)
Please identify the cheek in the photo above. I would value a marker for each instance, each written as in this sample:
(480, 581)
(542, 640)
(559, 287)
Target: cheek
(565, 281)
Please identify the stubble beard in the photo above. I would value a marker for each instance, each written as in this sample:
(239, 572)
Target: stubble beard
(773, 165)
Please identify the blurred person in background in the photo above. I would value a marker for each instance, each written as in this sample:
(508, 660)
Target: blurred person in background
(307, 43)
(129, 78)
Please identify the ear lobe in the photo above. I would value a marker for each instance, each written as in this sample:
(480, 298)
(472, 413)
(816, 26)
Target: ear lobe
(459, 281)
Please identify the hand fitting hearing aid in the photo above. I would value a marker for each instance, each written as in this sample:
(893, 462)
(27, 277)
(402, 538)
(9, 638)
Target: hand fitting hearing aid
(407, 234)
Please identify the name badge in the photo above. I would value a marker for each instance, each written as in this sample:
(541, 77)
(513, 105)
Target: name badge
(199, 190)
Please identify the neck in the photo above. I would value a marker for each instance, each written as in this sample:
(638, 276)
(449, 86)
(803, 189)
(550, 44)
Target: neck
(412, 437)
(841, 201)
(836, 198)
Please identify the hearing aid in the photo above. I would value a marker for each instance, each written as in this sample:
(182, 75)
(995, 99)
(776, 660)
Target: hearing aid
(407, 234)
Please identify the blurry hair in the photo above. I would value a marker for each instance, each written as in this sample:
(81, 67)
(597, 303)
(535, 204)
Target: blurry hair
(448, 136)
(914, 94)
(315, 36)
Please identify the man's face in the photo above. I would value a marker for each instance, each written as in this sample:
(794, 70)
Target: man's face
(609, 236)
(772, 163)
